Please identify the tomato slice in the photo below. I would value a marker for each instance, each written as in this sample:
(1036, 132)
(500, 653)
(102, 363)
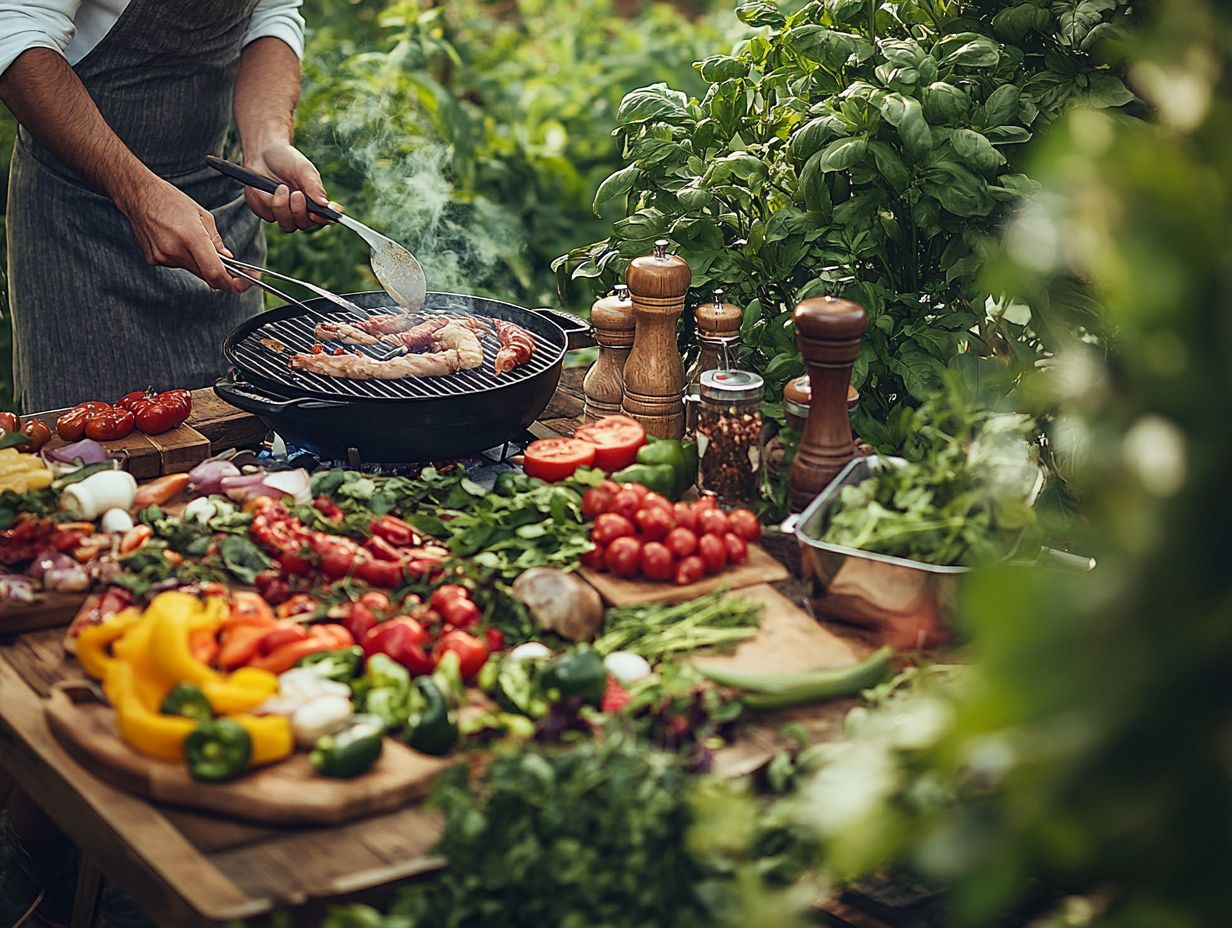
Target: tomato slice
(557, 458)
(616, 440)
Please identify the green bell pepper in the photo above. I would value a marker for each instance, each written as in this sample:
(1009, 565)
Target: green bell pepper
(342, 665)
(679, 456)
(431, 727)
(661, 478)
(384, 690)
(217, 750)
(352, 751)
(186, 699)
(578, 673)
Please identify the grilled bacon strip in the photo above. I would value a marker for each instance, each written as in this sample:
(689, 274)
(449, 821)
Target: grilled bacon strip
(362, 367)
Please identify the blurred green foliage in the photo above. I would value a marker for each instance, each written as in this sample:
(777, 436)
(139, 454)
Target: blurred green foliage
(1086, 748)
(872, 150)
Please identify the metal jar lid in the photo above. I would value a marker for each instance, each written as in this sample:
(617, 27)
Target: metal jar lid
(726, 386)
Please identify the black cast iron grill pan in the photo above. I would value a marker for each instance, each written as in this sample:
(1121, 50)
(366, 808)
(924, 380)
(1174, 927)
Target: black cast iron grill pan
(395, 421)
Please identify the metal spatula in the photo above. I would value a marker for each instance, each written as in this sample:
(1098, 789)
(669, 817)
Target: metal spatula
(395, 267)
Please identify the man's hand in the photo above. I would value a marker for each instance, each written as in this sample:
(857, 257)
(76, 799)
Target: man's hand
(300, 180)
(174, 231)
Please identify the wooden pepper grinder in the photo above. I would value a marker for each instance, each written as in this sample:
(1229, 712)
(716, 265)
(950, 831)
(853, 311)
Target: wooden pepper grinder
(604, 385)
(718, 331)
(828, 332)
(654, 372)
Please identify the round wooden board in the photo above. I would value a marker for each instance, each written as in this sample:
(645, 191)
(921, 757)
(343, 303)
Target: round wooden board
(289, 792)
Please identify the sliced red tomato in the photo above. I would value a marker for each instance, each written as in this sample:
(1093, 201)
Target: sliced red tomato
(554, 459)
(616, 440)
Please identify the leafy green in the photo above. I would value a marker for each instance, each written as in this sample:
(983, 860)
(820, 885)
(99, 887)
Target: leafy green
(963, 500)
(35, 502)
(242, 558)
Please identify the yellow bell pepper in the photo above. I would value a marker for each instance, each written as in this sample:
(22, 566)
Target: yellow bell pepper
(141, 727)
(93, 641)
(176, 616)
(241, 691)
(150, 654)
(271, 737)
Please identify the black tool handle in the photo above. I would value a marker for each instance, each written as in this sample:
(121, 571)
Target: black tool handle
(246, 397)
(264, 184)
(578, 332)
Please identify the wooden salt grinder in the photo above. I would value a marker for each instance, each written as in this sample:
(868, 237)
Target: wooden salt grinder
(828, 332)
(654, 372)
(604, 385)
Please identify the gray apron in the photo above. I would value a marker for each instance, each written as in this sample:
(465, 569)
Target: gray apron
(91, 319)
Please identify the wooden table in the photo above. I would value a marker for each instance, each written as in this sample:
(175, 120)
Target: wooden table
(184, 868)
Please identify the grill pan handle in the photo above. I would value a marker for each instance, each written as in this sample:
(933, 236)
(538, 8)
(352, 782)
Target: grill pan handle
(263, 183)
(578, 332)
(247, 398)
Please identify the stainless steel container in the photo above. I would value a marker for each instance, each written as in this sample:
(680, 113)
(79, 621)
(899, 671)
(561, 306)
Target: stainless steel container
(906, 602)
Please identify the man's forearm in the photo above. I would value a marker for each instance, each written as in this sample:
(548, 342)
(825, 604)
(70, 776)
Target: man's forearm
(48, 98)
(266, 91)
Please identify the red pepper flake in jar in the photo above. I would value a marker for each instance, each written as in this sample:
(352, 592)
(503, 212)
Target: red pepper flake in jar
(729, 428)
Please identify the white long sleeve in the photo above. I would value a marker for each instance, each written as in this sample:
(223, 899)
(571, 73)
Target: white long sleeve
(75, 27)
(26, 24)
(280, 19)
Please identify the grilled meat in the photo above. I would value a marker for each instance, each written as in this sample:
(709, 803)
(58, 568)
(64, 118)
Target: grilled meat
(458, 337)
(517, 345)
(362, 367)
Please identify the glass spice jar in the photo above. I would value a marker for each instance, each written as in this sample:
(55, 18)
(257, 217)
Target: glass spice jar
(729, 427)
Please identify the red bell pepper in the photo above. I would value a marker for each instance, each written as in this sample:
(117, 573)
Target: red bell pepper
(403, 640)
(381, 549)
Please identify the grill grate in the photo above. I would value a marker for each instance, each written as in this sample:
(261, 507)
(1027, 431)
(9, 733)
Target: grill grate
(298, 334)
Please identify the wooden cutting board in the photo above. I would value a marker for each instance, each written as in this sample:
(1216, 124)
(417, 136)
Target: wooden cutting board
(789, 640)
(213, 426)
(47, 611)
(286, 793)
(617, 591)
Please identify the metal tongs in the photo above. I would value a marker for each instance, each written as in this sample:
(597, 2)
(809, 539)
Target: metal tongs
(396, 268)
(242, 270)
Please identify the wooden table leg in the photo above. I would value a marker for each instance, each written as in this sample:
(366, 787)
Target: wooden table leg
(86, 898)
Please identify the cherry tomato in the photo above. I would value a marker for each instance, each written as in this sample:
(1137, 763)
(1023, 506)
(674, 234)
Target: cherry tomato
(624, 557)
(460, 612)
(494, 638)
(712, 522)
(637, 488)
(681, 542)
(657, 561)
(595, 502)
(594, 559)
(9, 422)
(713, 553)
(653, 499)
(737, 548)
(39, 433)
(109, 424)
(744, 523)
(472, 653)
(377, 601)
(626, 503)
(554, 459)
(654, 523)
(685, 516)
(704, 502)
(690, 570)
(443, 594)
(616, 440)
(609, 527)
(338, 556)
